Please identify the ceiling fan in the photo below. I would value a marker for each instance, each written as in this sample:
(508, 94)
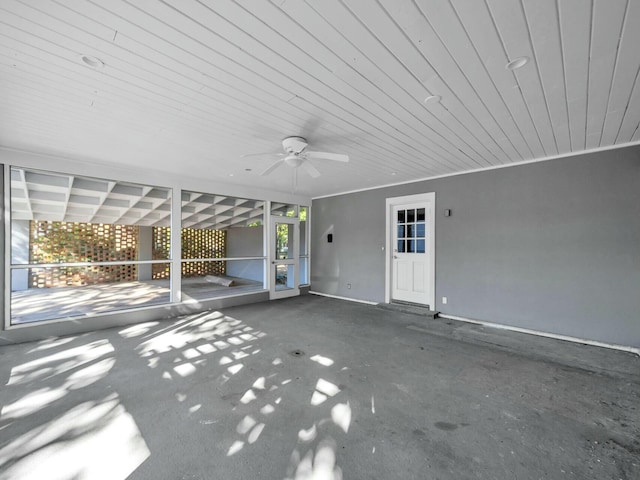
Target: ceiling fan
(296, 155)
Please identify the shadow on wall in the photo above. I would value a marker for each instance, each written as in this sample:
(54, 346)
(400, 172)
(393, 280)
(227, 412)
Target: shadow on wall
(329, 269)
(67, 410)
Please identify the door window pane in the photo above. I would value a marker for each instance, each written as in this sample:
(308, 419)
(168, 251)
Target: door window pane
(284, 277)
(411, 231)
(420, 215)
(420, 230)
(411, 246)
(419, 246)
(401, 216)
(284, 240)
(400, 231)
(411, 215)
(401, 246)
(284, 210)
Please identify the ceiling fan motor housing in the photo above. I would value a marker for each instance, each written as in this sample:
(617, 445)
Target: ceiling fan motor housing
(294, 145)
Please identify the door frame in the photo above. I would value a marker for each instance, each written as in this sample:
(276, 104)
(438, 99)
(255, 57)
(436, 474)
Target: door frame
(275, 294)
(426, 198)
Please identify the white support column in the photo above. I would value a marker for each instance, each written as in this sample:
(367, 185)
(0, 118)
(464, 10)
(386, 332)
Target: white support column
(266, 231)
(305, 248)
(176, 245)
(5, 294)
(309, 236)
(293, 241)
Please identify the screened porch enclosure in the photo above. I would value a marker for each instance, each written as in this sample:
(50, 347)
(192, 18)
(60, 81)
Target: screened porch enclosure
(85, 246)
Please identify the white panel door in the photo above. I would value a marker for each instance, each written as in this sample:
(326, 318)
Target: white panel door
(411, 253)
(285, 238)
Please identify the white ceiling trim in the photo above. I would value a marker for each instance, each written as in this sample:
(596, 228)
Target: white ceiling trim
(497, 167)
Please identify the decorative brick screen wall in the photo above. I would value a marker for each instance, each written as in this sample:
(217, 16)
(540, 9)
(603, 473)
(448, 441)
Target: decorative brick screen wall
(58, 242)
(161, 251)
(196, 244)
(66, 242)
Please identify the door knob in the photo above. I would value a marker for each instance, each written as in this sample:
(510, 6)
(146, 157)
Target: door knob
(395, 256)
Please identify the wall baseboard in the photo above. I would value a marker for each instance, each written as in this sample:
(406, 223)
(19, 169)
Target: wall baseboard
(538, 333)
(567, 338)
(366, 302)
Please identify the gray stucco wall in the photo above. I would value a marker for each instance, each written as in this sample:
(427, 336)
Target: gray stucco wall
(552, 246)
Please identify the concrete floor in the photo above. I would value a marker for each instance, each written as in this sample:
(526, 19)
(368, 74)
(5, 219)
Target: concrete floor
(316, 388)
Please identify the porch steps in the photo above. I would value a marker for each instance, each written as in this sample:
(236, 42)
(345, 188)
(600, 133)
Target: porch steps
(412, 308)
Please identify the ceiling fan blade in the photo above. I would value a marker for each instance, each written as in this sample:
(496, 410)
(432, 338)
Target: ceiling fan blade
(310, 169)
(264, 154)
(338, 157)
(272, 167)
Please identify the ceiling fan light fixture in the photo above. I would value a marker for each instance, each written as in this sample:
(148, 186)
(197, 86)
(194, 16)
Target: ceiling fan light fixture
(293, 161)
(517, 63)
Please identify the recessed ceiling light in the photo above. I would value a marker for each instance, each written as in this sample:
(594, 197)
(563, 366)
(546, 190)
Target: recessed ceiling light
(93, 62)
(431, 99)
(517, 63)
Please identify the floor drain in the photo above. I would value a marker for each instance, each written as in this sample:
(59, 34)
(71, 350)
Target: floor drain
(296, 353)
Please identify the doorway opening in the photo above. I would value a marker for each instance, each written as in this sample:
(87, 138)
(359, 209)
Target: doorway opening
(285, 235)
(410, 247)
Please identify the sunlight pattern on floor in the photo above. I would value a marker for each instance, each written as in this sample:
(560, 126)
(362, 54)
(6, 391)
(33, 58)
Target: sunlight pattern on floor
(315, 457)
(95, 439)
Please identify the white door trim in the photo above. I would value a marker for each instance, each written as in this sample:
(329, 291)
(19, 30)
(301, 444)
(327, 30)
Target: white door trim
(429, 198)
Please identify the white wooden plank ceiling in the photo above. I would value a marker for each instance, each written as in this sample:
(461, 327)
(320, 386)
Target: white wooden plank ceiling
(188, 87)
